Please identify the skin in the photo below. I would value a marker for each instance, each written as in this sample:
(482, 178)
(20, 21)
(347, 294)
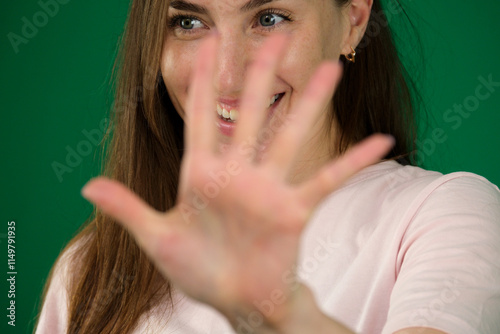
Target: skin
(239, 246)
(240, 36)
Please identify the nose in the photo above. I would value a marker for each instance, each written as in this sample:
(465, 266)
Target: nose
(233, 57)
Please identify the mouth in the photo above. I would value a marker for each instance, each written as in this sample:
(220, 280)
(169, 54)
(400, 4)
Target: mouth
(231, 115)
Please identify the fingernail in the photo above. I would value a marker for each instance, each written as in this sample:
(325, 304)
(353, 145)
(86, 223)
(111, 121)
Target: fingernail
(86, 191)
(90, 189)
(391, 139)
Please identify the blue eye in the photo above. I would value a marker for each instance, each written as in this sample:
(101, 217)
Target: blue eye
(188, 23)
(269, 19)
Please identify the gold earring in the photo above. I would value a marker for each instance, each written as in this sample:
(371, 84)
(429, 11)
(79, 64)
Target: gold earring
(351, 57)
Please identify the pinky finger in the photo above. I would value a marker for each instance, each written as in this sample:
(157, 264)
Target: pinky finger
(331, 177)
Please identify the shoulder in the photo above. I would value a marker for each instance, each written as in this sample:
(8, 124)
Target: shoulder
(427, 183)
(446, 230)
(456, 198)
(450, 252)
(396, 204)
(409, 189)
(67, 264)
(414, 180)
(54, 314)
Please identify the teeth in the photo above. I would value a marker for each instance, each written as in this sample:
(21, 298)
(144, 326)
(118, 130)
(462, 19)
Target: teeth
(273, 99)
(234, 115)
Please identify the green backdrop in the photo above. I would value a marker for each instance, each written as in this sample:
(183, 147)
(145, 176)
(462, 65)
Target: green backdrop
(54, 96)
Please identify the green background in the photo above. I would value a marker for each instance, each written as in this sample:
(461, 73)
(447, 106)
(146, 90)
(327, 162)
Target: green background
(56, 88)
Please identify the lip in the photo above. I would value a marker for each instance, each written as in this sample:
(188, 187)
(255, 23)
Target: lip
(229, 104)
(227, 128)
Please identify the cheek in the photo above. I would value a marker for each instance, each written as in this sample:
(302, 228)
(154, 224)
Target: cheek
(301, 60)
(310, 47)
(176, 67)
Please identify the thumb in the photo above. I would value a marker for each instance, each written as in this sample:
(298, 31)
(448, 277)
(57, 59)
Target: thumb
(120, 203)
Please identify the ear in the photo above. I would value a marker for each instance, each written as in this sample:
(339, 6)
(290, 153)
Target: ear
(358, 14)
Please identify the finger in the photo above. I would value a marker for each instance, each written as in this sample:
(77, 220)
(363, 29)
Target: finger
(333, 175)
(200, 113)
(117, 201)
(257, 93)
(291, 133)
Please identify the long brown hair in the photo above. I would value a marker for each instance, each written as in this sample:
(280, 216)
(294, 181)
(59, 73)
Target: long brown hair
(112, 282)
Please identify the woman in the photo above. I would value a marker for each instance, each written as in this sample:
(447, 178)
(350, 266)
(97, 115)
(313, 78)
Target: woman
(234, 238)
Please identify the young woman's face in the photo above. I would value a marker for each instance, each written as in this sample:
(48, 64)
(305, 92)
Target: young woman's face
(317, 29)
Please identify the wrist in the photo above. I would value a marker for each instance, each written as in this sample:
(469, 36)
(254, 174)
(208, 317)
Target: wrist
(298, 314)
(305, 316)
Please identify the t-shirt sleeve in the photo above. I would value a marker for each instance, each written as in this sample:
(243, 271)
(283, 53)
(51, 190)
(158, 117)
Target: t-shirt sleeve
(54, 314)
(448, 268)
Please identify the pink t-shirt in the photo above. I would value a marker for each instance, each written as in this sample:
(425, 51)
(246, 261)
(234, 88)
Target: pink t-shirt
(395, 247)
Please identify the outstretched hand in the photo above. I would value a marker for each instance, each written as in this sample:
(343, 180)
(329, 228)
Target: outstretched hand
(235, 229)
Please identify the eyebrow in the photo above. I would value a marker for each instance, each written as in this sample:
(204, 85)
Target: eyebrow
(191, 7)
(252, 4)
(187, 6)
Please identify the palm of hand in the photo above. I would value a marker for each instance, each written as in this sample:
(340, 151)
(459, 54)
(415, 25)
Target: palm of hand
(241, 236)
(232, 239)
